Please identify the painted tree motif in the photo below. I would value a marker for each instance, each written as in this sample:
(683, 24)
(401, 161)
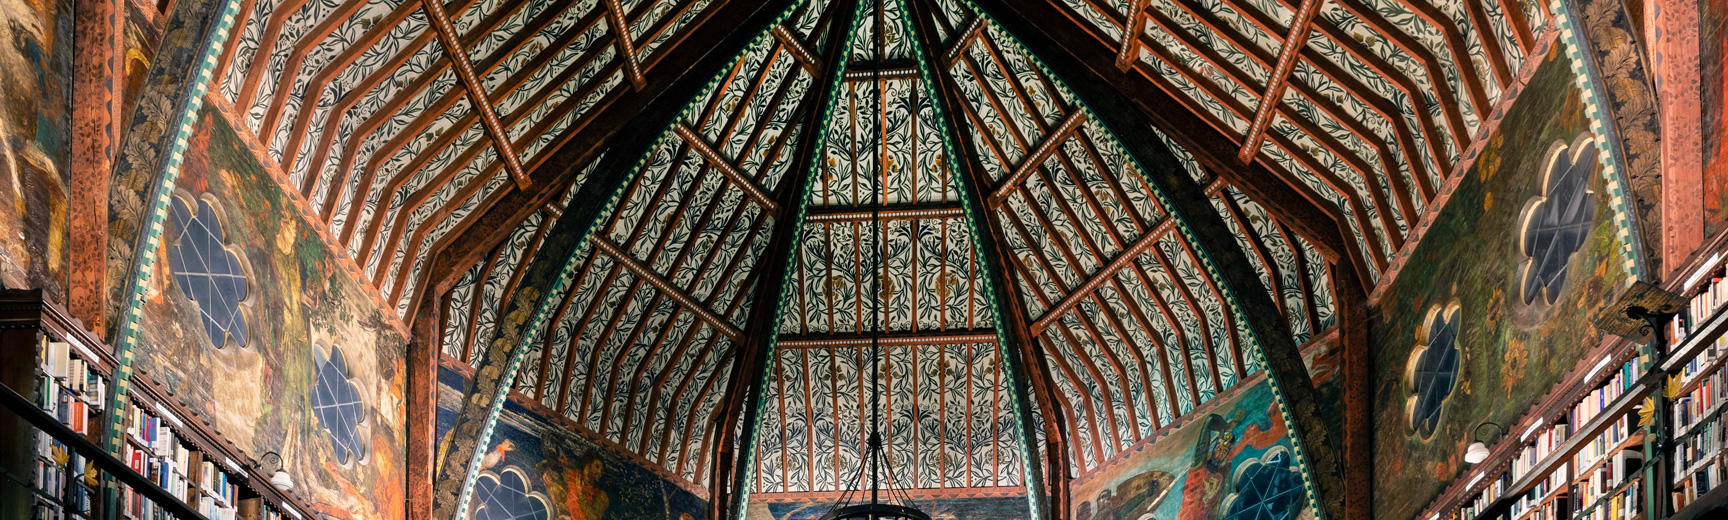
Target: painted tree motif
(1267, 488)
(1432, 372)
(506, 496)
(336, 402)
(207, 271)
(1556, 223)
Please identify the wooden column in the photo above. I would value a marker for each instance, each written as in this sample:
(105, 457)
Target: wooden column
(98, 81)
(1357, 392)
(422, 393)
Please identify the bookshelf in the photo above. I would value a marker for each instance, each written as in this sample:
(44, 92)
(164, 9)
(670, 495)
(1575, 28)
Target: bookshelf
(54, 376)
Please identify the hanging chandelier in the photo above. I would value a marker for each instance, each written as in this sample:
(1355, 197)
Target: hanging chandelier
(882, 501)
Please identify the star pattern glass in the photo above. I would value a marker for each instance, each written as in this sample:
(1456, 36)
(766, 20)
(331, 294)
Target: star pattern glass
(336, 402)
(208, 272)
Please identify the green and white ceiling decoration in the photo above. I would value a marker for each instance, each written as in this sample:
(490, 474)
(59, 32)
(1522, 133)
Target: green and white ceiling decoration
(635, 340)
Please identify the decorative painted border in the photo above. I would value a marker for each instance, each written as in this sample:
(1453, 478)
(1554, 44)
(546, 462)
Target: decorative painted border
(950, 154)
(787, 288)
(1593, 92)
(568, 272)
(144, 257)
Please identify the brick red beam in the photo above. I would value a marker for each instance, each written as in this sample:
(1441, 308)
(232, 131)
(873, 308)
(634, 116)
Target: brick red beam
(1293, 44)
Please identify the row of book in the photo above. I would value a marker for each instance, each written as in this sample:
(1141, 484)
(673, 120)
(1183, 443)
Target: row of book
(1699, 308)
(67, 486)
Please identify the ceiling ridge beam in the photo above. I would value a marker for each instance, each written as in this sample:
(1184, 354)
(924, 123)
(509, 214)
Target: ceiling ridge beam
(1270, 100)
(639, 120)
(476, 91)
(725, 166)
(920, 211)
(1049, 473)
(1103, 275)
(1051, 142)
(888, 338)
(741, 398)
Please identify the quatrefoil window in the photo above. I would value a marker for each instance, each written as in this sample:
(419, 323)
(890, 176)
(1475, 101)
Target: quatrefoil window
(1556, 223)
(1433, 369)
(505, 496)
(336, 402)
(208, 271)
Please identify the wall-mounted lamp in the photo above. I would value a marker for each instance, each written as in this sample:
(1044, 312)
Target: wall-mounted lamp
(278, 479)
(1478, 450)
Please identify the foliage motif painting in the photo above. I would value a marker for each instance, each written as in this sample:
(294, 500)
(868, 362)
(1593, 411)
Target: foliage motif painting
(210, 273)
(1433, 369)
(1501, 288)
(1556, 222)
(336, 402)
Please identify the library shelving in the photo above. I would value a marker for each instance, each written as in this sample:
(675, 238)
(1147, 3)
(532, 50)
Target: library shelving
(1645, 441)
(54, 379)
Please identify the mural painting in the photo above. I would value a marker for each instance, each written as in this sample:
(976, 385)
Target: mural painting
(307, 365)
(1713, 60)
(539, 469)
(1234, 462)
(1494, 305)
(35, 101)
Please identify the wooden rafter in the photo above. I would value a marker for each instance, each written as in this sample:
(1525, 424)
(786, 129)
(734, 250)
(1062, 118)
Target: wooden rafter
(740, 400)
(667, 288)
(1085, 58)
(1189, 205)
(1028, 362)
(1052, 141)
(1085, 290)
(476, 91)
(890, 338)
(615, 16)
(920, 211)
(1131, 28)
(631, 117)
(744, 182)
(1271, 98)
(634, 118)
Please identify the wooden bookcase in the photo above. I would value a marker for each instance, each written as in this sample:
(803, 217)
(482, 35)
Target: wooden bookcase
(54, 376)
(1639, 436)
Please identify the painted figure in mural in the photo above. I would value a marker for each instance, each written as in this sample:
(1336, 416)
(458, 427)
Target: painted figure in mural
(1209, 474)
(576, 487)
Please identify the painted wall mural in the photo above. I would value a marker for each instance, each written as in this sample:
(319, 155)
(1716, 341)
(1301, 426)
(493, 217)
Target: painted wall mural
(1493, 306)
(1234, 462)
(306, 364)
(538, 468)
(1713, 59)
(35, 68)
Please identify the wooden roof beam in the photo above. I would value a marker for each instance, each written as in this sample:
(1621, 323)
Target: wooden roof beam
(1090, 75)
(1087, 61)
(1029, 362)
(476, 91)
(740, 403)
(1294, 42)
(633, 120)
(630, 117)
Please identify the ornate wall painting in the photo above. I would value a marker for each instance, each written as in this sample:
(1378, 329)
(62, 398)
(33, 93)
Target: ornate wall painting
(539, 469)
(1232, 462)
(250, 320)
(1493, 308)
(35, 69)
(1713, 59)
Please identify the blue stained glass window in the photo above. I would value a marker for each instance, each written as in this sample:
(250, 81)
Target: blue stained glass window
(1267, 489)
(1556, 223)
(336, 402)
(1433, 371)
(505, 496)
(208, 272)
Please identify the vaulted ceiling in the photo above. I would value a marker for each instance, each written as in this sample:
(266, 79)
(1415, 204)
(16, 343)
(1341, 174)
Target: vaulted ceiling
(441, 142)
